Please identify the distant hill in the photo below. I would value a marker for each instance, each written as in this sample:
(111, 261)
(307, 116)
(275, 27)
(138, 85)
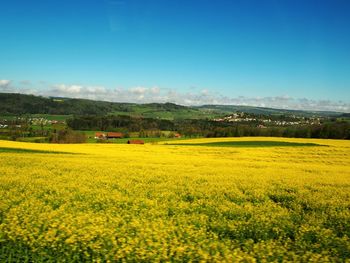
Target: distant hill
(29, 104)
(21, 104)
(270, 111)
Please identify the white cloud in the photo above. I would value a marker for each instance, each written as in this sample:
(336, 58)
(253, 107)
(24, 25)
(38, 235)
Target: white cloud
(139, 90)
(96, 89)
(193, 97)
(67, 89)
(25, 82)
(155, 90)
(5, 85)
(204, 92)
(4, 82)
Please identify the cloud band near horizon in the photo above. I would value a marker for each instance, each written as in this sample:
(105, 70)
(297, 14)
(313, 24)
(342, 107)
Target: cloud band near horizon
(195, 97)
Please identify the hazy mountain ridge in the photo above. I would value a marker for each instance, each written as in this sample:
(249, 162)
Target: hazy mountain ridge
(20, 104)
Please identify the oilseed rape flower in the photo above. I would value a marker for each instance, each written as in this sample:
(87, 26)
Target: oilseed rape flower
(175, 203)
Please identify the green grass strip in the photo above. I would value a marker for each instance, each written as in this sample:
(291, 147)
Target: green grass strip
(250, 144)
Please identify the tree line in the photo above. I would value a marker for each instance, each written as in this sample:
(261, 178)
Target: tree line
(208, 128)
(19, 104)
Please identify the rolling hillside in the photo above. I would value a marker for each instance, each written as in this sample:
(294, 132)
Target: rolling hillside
(20, 104)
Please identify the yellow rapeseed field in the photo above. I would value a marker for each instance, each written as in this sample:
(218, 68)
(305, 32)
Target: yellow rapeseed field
(158, 202)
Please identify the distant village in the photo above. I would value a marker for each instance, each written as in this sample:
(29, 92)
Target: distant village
(123, 129)
(20, 121)
(264, 121)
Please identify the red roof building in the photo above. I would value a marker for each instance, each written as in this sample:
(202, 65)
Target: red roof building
(114, 135)
(100, 135)
(136, 142)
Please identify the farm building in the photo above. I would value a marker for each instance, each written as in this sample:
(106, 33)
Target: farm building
(100, 135)
(114, 135)
(177, 135)
(136, 142)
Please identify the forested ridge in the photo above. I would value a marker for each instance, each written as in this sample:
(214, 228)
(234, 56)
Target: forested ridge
(89, 115)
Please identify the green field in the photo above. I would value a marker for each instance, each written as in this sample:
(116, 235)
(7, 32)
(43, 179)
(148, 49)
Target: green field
(133, 136)
(249, 144)
(44, 116)
(146, 140)
(52, 117)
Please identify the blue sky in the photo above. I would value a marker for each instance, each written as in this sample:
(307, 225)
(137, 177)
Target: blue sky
(172, 50)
